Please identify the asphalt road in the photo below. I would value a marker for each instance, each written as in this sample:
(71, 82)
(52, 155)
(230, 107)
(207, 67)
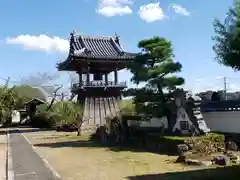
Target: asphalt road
(27, 164)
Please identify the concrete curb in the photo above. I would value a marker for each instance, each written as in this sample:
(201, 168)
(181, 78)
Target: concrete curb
(5, 177)
(47, 164)
(6, 155)
(9, 167)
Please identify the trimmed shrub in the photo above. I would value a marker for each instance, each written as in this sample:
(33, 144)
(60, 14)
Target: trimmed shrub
(61, 113)
(43, 120)
(206, 145)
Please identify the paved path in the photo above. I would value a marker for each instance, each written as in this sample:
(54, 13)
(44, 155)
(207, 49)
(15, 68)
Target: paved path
(3, 144)
(26, 163)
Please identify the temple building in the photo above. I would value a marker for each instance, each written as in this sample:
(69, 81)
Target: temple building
(97, 57)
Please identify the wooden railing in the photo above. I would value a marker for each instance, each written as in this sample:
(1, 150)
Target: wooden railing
(99, 84)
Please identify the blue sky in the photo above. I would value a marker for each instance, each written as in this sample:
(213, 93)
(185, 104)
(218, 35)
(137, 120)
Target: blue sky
(34, 34)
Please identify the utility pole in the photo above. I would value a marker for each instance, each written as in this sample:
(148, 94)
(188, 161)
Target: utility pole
(225, 88)
(6, 82)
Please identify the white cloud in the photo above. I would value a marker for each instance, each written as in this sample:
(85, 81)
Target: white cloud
(219, 77)
(180, 10)
(41, 43)
(114, 7)
(151, 12)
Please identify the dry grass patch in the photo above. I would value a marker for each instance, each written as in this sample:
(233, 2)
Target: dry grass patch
(77, 158)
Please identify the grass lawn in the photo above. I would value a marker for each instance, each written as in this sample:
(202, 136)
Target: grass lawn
(76, 158)
(220, 173)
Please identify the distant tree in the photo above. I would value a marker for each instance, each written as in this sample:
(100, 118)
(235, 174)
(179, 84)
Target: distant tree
(39, 79)
(8, 101)
(155, 66)
(44, 84)
(202, 95)
(227, 38)
(215, 96)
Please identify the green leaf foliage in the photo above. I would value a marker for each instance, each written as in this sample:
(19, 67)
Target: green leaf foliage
(154, 66)
(62, 112)
(227, 38)
(8, 102)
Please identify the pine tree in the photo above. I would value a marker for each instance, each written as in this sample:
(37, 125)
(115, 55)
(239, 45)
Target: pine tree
(155, 66)
(227, 38)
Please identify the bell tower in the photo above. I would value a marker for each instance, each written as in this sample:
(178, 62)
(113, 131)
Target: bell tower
(97, 57)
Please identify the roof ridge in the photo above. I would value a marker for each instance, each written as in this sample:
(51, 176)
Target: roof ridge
(117, 47)
(98, 47)
(94, 37)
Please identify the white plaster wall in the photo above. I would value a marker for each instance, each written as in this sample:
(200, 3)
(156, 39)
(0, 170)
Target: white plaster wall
(154, 122)
(15, 116)
(181, 116)
(228, 121)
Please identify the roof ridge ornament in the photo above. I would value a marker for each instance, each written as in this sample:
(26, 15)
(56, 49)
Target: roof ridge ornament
(117, 38)
(73, 33)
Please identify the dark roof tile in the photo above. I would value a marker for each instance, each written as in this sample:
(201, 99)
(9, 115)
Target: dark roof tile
(98, 48)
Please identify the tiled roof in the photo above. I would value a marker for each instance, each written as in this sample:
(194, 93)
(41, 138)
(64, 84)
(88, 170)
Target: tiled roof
(98, 48)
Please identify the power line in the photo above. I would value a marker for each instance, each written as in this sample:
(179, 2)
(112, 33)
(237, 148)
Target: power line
(233, 78)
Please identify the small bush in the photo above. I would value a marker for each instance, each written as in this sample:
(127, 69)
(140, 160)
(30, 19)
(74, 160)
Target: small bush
(127, 107)
(63, 112)
(208, 144)
(43, 120)
(67, 112)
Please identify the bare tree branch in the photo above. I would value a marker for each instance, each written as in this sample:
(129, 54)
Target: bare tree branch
(54, 98)
(39, 79)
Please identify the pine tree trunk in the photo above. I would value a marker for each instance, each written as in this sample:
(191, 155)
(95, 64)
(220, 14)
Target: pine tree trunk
(170, 126)
(171, 121)
(79, 132)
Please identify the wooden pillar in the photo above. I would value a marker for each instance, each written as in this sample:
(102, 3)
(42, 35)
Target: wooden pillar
(88, 75)
(115, 76)
(106, 78)
(79, 77)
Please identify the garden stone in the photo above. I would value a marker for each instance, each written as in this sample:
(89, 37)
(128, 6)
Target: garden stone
(206, 163)
(232, 146)
(182, 148)
(192, 162)
(181, 159)
(228, 154)
(235, 159)
(221, 160)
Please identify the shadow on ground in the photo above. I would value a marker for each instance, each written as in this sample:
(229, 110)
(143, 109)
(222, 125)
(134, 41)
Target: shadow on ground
(29, 129)
(2, 131)
(220, 173)
(164, 146)
(22, 129)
